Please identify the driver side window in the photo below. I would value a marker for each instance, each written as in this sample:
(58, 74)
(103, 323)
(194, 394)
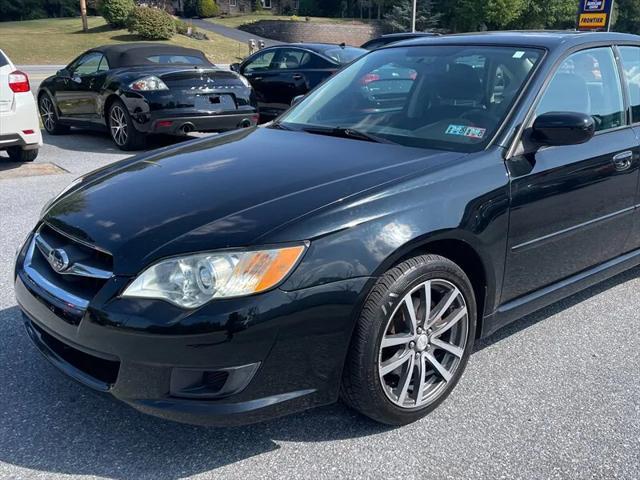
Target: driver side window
(587, 82)
(261, 62)
(88, 64)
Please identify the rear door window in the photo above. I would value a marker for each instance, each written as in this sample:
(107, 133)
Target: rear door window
(3, 60)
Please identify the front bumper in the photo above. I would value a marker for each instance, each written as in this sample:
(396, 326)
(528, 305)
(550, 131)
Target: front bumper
(135, 349)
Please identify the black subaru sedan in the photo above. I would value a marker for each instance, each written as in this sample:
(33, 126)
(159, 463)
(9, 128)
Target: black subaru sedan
(145, 88)
(355, 247)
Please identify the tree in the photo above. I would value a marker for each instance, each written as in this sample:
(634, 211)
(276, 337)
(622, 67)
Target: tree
(553, 14)
(500, 14)
(627, 18)
(399, 17)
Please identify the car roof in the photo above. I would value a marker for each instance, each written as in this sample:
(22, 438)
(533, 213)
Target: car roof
(317, 47)
(407, 34)
(549, 39)
(132, 54)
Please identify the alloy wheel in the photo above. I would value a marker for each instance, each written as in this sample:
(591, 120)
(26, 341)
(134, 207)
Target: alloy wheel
(47, 113)
(423, 344)
(118, 125)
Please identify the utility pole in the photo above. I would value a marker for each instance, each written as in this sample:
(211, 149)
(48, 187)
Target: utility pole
(413, 16)
(83, 14)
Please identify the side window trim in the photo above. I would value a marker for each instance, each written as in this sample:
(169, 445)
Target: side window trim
(625, 83)
(106, 62)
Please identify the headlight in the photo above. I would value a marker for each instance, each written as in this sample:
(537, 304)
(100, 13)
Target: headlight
(148, 84)
(193, 280)
(244, 80)
(47, 205)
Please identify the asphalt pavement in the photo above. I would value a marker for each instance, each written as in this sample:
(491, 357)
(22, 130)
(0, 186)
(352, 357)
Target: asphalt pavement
(554, 396)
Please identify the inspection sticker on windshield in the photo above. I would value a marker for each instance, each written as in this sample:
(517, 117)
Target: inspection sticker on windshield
(464, 131)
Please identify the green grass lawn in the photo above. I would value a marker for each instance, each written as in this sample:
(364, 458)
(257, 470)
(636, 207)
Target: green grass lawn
(237, 20)
(57, 41)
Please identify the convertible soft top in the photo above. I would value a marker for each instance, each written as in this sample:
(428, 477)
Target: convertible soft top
(130, 55)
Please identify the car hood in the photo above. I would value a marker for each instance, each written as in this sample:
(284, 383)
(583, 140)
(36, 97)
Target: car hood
(224, 191)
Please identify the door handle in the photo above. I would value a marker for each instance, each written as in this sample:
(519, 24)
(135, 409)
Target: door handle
(623, 160)
(297, 76)
(255, 78)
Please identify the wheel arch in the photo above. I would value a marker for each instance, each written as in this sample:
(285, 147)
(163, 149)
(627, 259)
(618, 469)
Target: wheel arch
(462, 252)
(109, 100)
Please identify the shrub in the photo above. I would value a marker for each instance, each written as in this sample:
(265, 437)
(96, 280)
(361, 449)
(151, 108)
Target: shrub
(116, 12)
(207, 8)
(181, 27)
(152, 23)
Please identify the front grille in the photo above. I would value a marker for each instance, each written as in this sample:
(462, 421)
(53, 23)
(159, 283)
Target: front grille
(66, 273)
(103, 370)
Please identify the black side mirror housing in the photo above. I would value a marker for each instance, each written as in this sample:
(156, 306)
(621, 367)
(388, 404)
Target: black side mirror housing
(64, 73)
(563, 128)
(235, 67)
(296, 100)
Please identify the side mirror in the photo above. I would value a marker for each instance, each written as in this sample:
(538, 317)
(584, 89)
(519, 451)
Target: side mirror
(64, 73)
(296, 100)
(563, 128)
(235, 67)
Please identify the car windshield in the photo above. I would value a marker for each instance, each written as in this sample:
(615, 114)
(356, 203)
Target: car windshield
(344, 55)
(443, 97)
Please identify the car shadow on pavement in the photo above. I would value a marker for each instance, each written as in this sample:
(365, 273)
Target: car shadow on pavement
(97, 141)
(51, 424)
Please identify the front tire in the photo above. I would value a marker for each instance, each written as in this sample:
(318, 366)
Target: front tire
(17, 154)
(121, 128)
(412, 341)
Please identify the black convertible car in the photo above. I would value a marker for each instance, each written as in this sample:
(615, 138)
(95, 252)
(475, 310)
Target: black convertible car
(359, 245)
(139, 89)
(280, 74)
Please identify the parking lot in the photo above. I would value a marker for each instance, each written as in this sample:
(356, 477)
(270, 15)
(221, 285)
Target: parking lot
(555, 395)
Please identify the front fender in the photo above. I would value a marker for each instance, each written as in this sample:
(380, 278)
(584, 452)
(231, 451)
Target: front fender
(368, 235)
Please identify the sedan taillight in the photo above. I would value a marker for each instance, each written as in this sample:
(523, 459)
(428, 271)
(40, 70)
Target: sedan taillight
(19, 82)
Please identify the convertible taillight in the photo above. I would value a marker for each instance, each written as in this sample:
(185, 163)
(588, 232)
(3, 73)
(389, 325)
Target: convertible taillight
(148, 84)
(369, 78)
(19, 82)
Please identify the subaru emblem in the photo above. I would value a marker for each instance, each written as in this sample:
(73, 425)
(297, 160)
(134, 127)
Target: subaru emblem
(58, 260)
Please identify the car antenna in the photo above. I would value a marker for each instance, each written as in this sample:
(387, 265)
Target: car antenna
(342, 45)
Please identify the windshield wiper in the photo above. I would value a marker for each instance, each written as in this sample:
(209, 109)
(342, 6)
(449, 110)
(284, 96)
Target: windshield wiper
(346, 133)
(279, 126)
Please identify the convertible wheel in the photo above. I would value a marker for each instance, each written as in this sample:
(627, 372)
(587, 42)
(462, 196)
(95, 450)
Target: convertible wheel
(412, 341)
(122, 130)
(49, 116)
